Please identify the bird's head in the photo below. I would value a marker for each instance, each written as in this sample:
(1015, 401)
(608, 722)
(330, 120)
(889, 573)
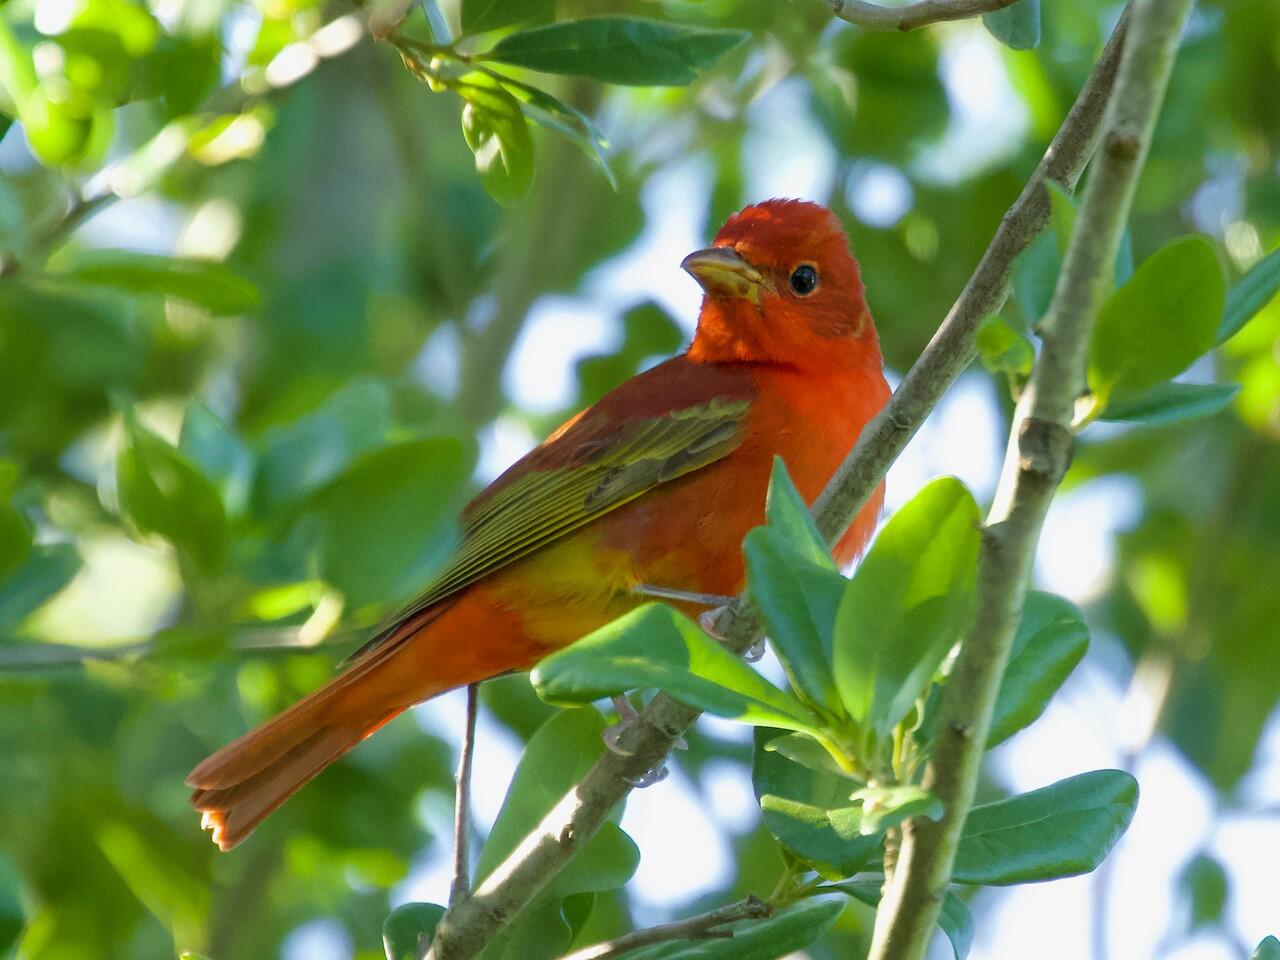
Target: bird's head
(781, 287)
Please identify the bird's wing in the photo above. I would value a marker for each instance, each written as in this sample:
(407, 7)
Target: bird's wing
(611, 454)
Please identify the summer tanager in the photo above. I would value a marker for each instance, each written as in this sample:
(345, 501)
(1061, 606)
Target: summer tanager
(654, 486)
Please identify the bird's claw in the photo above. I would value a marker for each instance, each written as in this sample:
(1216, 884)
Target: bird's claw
(755, 653)
(612, 737)
(707, 621)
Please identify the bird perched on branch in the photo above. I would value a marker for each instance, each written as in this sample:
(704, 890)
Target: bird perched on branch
(648, 492)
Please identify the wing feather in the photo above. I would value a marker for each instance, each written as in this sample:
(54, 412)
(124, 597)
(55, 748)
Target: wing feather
(613, 465)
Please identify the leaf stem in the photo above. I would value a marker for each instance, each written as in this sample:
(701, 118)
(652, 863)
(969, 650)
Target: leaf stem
(706, 926)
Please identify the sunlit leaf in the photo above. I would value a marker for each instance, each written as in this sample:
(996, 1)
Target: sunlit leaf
(809, 811)
(1172, 402)
(1249, 295)
(1061, 830)
(496, 131)
(622, 50)
(1158, 323)
(907, 605)
(656, 647)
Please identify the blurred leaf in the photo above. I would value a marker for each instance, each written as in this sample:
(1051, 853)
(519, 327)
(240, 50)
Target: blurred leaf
(887, 806)
(655, 647)
(161, 492)
(386, 519)
(810, 812)
(1004, 349)
(219, 454)
(1051, 639)
(1062, 207)
(954, 918)
(788, 931)
(1172, 402)
(408, 929)
(1062, 830)
(481, 15)
(12, 917)
(1016, 26)
(622, 50)
(496, 131)
(557, 756)
(436, 22)
(48, 569)
(1249, 295)
(1268, 949)
(171, 891)
(1158, 323)
(202, 282)
(907, 605)
(15, 537)
(298, 459)
(1204, 883)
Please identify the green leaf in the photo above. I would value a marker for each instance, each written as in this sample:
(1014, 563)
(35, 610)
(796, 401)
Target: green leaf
(162, 493)
(300, 458)
(797, 602)
(1172, 402)
(15, 537)
(408, 929)
(907, 605)
(809, 811)
(1051, 639)
(1061, 830)
(954, 918)
(1205, 884)
(786, 512)
(1004, 349)
(388, 520)
(788, 931)
(621, 50)
(1249, 295)
(1158, 323)
(1062, 211)
(654, 646)
(1268, 949)
(12, 917)
(481, 15)
(557, 757)
(496, 131)
(48, 569)
(885, 807)
(218, 453)
(1016, 26)
(205, 283)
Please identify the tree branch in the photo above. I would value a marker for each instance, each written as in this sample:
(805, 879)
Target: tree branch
(1039, 452)
(703, 927)
(468, 926)
(461, 885)
(873, 16)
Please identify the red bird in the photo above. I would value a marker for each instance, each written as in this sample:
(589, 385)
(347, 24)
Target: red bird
(654, 486)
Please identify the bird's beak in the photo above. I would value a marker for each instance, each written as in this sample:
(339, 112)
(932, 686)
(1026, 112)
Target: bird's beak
(721, 271)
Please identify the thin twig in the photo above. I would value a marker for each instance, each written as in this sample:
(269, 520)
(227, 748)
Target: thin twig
(461, 885)
(873, 16)
(467, 927)
(703, 927)
(1037, 458)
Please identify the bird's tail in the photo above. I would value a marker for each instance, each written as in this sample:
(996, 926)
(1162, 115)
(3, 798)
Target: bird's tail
(237, 787)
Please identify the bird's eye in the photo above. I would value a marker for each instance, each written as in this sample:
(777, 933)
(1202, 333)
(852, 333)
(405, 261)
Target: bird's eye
(804, 279)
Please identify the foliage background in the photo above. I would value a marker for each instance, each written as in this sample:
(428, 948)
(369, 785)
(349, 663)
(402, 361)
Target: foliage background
(402, 337)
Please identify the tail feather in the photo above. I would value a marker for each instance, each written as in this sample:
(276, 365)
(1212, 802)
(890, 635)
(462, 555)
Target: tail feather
(237, 787)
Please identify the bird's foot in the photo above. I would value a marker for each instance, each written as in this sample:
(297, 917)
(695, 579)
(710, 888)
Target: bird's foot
(627, 715)
(707, 621)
